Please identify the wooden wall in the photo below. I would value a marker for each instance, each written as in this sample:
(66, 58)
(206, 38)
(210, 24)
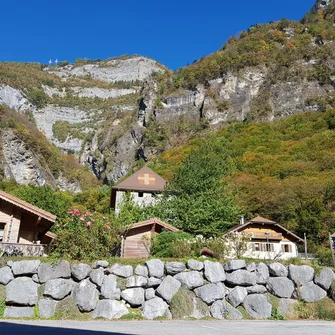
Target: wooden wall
(133, 246)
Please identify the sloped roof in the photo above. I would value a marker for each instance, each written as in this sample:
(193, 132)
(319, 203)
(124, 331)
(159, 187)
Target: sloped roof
(27, 206)
(154, 221)
(260, 219)
(143, 180)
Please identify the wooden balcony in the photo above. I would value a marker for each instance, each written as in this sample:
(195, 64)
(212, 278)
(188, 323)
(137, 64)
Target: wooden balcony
(23, 250)
(268, 236)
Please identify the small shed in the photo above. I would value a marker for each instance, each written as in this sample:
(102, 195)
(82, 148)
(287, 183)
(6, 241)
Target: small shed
(137, 241)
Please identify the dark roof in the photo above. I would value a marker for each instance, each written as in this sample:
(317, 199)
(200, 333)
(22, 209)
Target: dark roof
(143, 180)
(259, 219)
(154, 221)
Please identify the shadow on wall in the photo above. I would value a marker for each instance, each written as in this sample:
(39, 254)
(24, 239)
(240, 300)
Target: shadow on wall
(7, 328)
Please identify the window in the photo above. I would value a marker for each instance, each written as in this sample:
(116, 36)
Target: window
(140, 194)
(286, 248)
(265, 247)
(2, 230)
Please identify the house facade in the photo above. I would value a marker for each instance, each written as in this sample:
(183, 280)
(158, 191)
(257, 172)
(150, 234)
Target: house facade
(268, 240)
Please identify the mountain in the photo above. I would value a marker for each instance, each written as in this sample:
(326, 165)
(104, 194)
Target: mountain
(112, 113)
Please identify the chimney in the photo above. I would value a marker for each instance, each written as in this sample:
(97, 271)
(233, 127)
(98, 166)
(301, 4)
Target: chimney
(242, 220)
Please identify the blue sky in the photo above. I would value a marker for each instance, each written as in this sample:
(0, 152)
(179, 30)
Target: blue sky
(172, 32)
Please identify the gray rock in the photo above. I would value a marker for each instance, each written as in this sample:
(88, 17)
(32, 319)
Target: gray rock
(301, 274)
(47, 308)
(47, 271)
(154, 282)
(237, 296)
(311, 292)
(325, 278)
(100, 264)
(22, 291)
(277, 270)
(25, 267)
(257, 289)
(10, 264)
(172, 268)
(262, 274)
(141, 270)
(241, 278)
(223, 310)
(257, 306)
(58, 289)
(19, 312)
(136, 281)
(97, 276)
(149, 294)
(110, 309)
(80, 271)
(134, 296)
(210, 292)
(123, 271)
(235, 265)
(109, 289)
(6, 275)
(154, 308)
(214, 272)
(168, 288)
(281, 287)
(35, 278)
(194, 265)
(251, 267)
(286, 307)
(86, 295)
(200, 309)
(190, 280)
(155, 268)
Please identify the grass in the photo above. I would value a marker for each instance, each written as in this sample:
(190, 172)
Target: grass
(134, 314)
(181, 305)
(2, 299)
(320, 310)
(67, 309)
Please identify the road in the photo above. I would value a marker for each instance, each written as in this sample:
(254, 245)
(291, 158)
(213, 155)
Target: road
(167, 327)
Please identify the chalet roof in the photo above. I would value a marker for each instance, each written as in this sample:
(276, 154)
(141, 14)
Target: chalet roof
(260, 219)
(143, 180)
(27, 206)
(154, 221)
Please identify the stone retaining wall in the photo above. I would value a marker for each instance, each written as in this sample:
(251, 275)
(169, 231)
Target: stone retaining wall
(160, 289)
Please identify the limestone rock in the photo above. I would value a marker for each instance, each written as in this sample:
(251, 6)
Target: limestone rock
(311, 292)
(47, 308)
(47, 271)
(241, 278)
(109, 289)
(277, 270)
(134, 296)
(200, 309)
(325, 278)
(154, 282)
(149, 293)
(97, 276)
(194, 265)
(235, 265)
(110, 309)
(141, 270)
(214, 272)
(22, 291)
(301, 274)
(210, 292)
(124, 271)
(86, 295)
(58, 289)
(190, 279)
(80, 271)
(35, 278)
(172, 268)
(168, 288)
(25, 267)
(237, 296)
(155, 268)
(6, 275)
(100, 264)
(154, 308)
(262, 274)
(251, 267)
(223, 310)
(257, 289)
(19, 312)
(281, 287)
(136, 281)
(286, 307)
(257, 306)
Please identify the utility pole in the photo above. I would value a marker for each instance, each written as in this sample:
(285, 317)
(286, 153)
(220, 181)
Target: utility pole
(332, 245)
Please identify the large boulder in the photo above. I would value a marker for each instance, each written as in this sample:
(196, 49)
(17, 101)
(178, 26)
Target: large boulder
(194, 265)
(86, 295)
(223, 310)
(214, 272)
(100, 264)
(257, 306)
(97, 276)
(325, 278)
(190, 279)
(110, 309)
(235, 265)
(22, 291)
(311, 292)
(172, 268)
(251, 267)
(168, 288)
(256, 289)
(155, 268)
(25, 268)
(149, 293)
(241, 278)
(119, 270)
(237, 296)
(262, 274)
(287, 307)
(136, 281)
(155, 308)
(154, 282)
(277, 270)
(58, 289)
(301, 274)
(6, 275)
(47, 271)
(109, 289)
(141, 270)
(80, 271)
(211, 292)
(134, 296)
(19, 312)
(47, 308)
(281, 287)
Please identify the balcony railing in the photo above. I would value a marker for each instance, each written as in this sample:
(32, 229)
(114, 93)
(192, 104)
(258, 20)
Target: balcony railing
(24, 250)
(268, 236)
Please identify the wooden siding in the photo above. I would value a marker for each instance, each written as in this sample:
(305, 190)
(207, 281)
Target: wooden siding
(133, 246)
